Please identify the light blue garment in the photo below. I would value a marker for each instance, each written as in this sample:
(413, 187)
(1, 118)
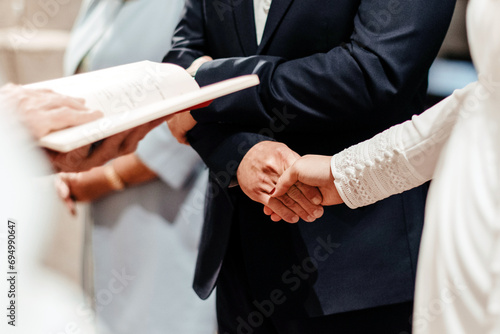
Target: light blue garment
(151, 231)
(117, 32)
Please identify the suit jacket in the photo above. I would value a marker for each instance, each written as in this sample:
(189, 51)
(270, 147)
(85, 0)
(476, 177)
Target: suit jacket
(332, 73)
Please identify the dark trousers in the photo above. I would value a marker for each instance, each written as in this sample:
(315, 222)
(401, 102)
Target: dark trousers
(240, 312)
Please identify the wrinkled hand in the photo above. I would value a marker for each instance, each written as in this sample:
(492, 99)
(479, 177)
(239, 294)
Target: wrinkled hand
(258, 174)
(62, 185)
(86, 157)
(313, 170)
(82, 187)
(43, 111)
(180, 124)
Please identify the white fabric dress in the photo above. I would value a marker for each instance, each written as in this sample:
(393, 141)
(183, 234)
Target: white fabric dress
(149, 232)
(457, 144)
(46, 302)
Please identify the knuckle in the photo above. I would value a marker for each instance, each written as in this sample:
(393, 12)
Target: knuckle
(293, 192)
(286, 200)
(307, 189)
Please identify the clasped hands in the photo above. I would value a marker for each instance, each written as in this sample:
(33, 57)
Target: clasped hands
(290, 187)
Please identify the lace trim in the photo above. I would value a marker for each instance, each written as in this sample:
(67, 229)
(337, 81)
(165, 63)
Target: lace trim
(373, 170)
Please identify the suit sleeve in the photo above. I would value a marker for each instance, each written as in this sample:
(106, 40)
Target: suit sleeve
(220, 147)
(375, 74)
(371, 77)
(188, 42)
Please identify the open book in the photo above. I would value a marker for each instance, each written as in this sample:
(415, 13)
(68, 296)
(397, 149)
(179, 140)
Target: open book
(131, 95)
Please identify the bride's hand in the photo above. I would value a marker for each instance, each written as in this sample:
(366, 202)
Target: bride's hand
(312, 170)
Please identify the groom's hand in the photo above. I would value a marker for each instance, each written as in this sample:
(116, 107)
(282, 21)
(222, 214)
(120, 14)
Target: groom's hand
(258, 174)
(181, 123)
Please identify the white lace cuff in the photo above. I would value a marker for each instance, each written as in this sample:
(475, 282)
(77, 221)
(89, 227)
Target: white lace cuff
(374, 170)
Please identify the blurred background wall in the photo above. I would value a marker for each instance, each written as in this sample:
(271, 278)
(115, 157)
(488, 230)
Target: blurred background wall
(33, 36)
(453, 68)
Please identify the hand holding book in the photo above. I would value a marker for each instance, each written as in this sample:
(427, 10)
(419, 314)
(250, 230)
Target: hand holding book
(65, 116)
(132, 95)
(43, 111)
(89, 156)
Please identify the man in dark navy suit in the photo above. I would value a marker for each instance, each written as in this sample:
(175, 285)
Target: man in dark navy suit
(333, 73)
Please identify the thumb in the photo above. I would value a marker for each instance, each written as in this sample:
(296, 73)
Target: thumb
(286, 180)
(289, 158)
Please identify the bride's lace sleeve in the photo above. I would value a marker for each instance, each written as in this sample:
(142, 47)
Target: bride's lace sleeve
(398, 159)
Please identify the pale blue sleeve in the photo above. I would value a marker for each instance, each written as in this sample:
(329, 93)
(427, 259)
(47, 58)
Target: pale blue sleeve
(113, 32)
(174, 163)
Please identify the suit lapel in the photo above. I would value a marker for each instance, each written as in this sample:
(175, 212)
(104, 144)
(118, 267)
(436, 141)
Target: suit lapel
(245, 25)
(276, 13)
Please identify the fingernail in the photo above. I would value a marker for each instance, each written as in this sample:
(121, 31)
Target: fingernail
(316, 200)
(310, 219)
(272, 191)
(295, 219)
(318, 213)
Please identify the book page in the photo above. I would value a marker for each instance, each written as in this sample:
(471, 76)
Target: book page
(124, 88)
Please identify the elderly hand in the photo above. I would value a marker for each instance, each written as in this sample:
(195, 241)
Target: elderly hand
(97, 182)
(82, 187)
(258, 174)
(312, 170)
(43, 111)
(89, 156)
(62, 186)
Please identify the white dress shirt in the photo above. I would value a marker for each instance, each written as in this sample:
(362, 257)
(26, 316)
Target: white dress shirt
(261, 10)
